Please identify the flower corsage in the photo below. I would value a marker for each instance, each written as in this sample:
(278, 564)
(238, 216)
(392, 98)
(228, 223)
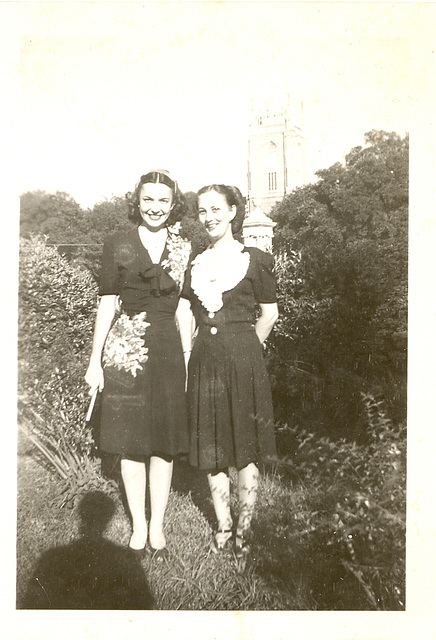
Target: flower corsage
(125, 347)
(179, 251)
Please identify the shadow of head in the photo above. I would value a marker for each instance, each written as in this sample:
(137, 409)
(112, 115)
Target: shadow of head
(91, 572)
(95, 510)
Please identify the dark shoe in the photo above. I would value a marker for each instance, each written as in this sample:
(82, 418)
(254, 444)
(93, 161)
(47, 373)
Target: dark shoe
(138, 553)
(242, 547)
(159, 555)
(221, 540)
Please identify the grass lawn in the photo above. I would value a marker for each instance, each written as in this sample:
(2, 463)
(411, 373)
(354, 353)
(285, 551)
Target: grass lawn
(290, 567)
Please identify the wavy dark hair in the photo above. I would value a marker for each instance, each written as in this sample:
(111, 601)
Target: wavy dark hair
(157, 176)
(233, 198)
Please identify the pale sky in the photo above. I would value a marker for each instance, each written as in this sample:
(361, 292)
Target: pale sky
(109, 90)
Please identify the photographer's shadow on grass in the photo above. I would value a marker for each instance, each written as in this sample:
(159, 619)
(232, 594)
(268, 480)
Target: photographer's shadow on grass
(91, 572)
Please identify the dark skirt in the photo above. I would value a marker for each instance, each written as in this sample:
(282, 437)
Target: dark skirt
(145, 412)
(229, 399)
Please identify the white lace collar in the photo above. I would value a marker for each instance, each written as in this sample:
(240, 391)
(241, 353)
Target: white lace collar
(213, 273)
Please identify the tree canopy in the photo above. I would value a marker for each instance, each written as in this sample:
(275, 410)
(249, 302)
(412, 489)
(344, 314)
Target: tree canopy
(343, 280)
(57, 215)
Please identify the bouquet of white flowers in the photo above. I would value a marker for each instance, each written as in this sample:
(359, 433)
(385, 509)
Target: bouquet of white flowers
(125, 347)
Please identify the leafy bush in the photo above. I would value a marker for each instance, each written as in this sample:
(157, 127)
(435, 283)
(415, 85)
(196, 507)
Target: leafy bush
(341, 249)
(57, 303)
(362, 514)
(78, 472)
(312, 382)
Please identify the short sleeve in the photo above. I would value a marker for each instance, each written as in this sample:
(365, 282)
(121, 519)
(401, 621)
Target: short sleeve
(264, 282)
(109, 276)
(186, 289)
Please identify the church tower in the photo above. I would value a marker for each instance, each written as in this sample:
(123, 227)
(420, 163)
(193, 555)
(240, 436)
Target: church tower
(276, 154)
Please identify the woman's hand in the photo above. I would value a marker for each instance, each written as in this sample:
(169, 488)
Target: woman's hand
(94, 377)
(186, 356)
(185, 322)
(269, 314)
(105, 314)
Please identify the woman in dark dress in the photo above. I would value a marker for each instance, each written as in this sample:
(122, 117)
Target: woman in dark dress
(137, 359)
(229, 397)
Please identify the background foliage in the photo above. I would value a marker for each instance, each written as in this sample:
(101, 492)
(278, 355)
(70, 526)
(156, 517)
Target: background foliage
(57, 304)
(342, 276)
(358, 521)
(77, 233)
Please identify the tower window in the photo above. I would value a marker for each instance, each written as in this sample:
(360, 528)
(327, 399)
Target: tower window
(272, 181)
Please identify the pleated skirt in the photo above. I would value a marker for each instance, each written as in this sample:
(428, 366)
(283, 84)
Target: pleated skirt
(146, 413)
(229, 399)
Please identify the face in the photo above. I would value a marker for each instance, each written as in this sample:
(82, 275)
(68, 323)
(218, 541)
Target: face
(215, 214)
(155, 202)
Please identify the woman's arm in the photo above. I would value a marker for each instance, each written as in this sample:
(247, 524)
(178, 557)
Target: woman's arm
(269, 314)
(105, 315)
(186, 324)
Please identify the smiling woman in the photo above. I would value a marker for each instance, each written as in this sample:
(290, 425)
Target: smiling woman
(143, 380)
(155, 204)
(220, 212)
(229, 399)
(150, 192)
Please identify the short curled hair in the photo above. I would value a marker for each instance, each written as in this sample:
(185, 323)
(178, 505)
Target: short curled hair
(233, 198)
(157, 176)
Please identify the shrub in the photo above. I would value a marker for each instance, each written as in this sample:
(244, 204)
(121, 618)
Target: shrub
(362, 515)
(343, 287)
(325, 351)
(78, 472)
(57, 303)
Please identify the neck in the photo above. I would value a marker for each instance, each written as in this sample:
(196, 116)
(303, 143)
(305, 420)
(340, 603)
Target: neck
(223, 242)
(145, 227)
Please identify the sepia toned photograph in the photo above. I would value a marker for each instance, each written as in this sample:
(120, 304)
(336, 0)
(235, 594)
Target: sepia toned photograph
(213, 321)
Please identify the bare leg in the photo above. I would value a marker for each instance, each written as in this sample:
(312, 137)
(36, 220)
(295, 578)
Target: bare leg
(219, 485)
(134, 478)
(248, 481)
(161, 473)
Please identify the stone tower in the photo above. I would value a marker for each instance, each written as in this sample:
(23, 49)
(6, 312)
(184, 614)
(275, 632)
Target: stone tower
(276, 154)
